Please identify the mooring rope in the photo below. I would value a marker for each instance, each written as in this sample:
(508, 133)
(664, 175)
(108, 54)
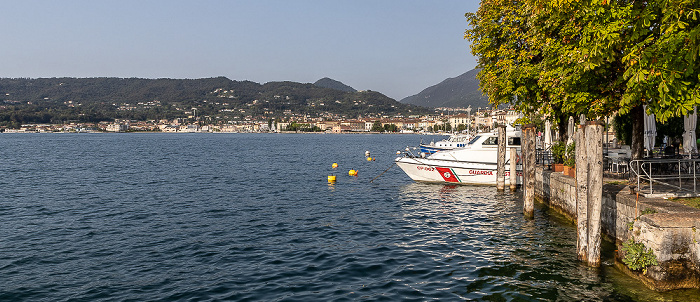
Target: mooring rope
(383, 172)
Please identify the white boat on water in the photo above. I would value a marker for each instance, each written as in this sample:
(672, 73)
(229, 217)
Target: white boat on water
(474, 163)
(454, 141)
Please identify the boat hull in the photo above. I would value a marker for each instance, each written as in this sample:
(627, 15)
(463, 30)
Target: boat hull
(455, 172)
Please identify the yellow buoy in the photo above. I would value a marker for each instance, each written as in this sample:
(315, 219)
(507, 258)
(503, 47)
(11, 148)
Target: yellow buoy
(352, 173)
(334, 165)
(369, 159)
(331, 178)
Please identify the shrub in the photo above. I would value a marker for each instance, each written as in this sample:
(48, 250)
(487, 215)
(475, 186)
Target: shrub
(559, 152)
(570, 158)
(637, 256)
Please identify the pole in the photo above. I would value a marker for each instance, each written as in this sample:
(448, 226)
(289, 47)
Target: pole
(513, 172)
(581, 195)
(529, 170)
(594, 151)
(501, 160)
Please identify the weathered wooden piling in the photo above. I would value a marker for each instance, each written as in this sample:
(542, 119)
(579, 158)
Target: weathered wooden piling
(581, 195)
(529, 169)
(513, 172)
(501, 159)
(594, 154)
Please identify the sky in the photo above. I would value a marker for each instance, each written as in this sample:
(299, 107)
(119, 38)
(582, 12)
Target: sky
(396, 47)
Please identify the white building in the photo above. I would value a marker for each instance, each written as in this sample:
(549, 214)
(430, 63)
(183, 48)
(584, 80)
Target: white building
(117, 127)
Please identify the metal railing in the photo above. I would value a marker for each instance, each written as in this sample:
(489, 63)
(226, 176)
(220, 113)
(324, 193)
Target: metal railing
(544, 157)
(666, 176)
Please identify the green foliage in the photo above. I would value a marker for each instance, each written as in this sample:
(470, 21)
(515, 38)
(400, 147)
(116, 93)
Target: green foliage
(391, 128)
(559, 152)
(690, 201)
(377, 126)
(570, 159)
(589, 57)
(444, 127)
(637, 256)
(537, 120)
(302, 127)
(648, 211)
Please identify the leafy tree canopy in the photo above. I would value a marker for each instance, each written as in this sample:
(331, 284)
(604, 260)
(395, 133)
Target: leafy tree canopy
(592, 57)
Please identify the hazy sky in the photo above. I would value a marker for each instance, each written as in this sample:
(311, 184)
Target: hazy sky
(397, 47)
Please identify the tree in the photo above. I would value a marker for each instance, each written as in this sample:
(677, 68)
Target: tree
(377, 126)
(592, 57)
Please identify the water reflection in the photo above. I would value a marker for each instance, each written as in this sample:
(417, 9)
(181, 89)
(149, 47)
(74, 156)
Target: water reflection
(498, 254)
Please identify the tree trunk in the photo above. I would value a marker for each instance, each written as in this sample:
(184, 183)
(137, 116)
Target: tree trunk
(637, 116)
(562, 126)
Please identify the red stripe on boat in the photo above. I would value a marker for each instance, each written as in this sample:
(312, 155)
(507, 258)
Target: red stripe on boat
(447, 174)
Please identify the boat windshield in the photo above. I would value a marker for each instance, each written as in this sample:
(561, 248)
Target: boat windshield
(476, 138)
(459, 138)
(514, 141)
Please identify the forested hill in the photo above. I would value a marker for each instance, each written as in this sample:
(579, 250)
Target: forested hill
(460, 91)
(54, 100)
(333, 84)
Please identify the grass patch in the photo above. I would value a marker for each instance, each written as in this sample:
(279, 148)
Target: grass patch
(689, 201)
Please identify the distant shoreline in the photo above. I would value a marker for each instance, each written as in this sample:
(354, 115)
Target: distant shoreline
(218, 132)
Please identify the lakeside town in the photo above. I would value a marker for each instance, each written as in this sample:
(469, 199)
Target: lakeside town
(460, 119)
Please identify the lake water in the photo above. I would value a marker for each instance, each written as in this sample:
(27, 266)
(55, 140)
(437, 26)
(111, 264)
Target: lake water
(251, 217)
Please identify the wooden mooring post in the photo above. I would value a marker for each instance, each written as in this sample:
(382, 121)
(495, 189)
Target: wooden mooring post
(513, 172)
(589, 191)
(501, 159)
(528, 150)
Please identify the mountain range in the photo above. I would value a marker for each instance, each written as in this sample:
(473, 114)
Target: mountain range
(461, 91)
(44, 100)
(56, 100)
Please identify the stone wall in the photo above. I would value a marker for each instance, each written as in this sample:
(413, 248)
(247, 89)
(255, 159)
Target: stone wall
(668, 228)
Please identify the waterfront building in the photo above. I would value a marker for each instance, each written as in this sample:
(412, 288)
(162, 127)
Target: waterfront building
(117, 127)
(459, 119)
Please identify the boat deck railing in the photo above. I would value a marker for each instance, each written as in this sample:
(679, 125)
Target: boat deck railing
(666, 177)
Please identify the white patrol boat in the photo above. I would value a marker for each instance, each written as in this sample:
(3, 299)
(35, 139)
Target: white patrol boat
(473, 164)
(453, 142)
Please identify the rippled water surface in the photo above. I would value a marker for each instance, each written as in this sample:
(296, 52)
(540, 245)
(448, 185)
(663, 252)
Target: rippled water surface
(251, 217)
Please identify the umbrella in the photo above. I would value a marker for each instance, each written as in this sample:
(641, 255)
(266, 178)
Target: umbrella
(547, 134)
(689, 143)
(570, 130)
(649, 131)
